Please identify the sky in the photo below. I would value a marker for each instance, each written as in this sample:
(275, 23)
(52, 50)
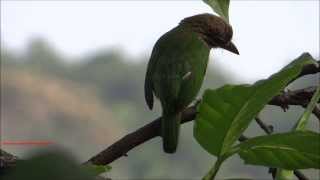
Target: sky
(268, 34)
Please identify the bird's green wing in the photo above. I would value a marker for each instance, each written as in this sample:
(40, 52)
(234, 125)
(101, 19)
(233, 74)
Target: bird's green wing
(175, 56)
(159, 53)
(148, 86)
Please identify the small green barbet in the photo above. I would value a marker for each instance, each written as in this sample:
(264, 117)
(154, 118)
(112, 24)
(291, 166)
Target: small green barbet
(178, 65)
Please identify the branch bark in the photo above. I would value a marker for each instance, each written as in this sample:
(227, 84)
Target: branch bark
(152, 130)
(128, 142)
(299, 97)
(310, 69)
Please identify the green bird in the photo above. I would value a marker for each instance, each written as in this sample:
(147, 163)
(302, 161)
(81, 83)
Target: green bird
(177, 67)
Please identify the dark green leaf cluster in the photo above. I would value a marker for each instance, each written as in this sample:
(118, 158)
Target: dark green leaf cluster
(225, 113)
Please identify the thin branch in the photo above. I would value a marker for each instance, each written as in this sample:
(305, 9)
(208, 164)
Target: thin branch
(267, 128)
(300, 175)
(151, 130)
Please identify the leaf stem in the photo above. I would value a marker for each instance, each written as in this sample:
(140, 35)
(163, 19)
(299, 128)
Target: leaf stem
(214, 170)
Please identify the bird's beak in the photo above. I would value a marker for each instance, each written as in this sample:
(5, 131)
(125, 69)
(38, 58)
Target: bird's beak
(231, 47)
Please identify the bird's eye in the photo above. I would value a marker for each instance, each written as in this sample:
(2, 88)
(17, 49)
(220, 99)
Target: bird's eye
(219, 40)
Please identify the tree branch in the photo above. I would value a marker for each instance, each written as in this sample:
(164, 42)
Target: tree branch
(152, 130)
(309, 69)
(299, 97)
(128, 142)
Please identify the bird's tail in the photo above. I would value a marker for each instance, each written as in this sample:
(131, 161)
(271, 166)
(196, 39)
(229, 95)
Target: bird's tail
(170, 126)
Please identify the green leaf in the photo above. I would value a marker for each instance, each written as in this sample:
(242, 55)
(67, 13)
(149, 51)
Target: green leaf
(226, 112)
(292, 150)
(221, 7)
(283, 174)
(98, 169)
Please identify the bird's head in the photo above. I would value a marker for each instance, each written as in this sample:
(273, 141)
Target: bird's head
(213, 30)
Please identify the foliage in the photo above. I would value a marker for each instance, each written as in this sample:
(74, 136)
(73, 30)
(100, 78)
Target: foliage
(225, 113)
(221, 7)
(51, 166)
(291, 150)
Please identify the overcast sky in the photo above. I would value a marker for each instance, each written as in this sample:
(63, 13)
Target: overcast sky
(268, 33)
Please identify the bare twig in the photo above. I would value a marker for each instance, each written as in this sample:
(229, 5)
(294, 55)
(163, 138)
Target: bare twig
(300, 175)
(267, 128)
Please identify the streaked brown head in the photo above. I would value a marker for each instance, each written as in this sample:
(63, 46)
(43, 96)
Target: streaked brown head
(213, 30)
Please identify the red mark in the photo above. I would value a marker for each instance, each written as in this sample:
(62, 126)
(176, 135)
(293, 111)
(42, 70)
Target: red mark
(33, 143)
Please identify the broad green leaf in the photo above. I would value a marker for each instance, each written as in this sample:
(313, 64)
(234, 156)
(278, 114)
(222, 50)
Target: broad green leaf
(292, 150)
(226, 112)
(221, 7)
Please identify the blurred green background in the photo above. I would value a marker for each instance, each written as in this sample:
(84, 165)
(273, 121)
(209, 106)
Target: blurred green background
(88, 104)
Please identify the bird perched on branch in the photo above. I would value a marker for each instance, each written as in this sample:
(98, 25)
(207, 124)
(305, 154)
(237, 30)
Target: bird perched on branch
(177, 67)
